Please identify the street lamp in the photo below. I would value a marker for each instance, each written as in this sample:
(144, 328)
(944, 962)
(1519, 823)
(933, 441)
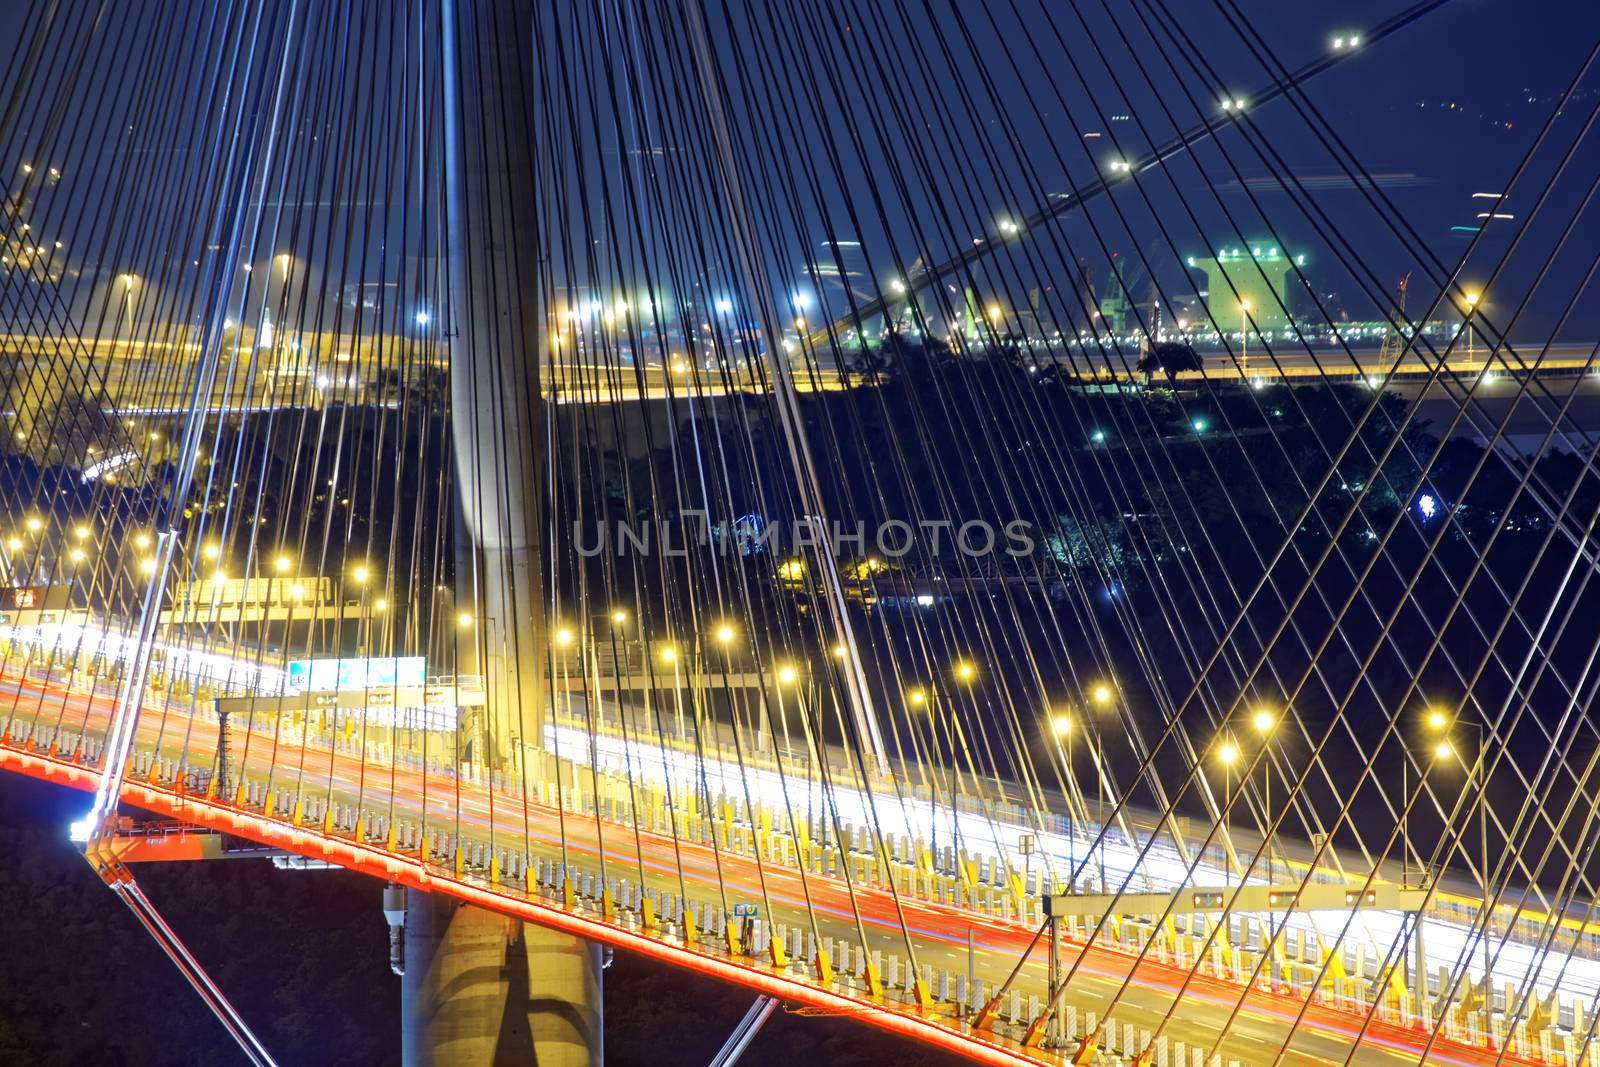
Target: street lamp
(965, 671)
(1244, 337)
(1264, 723)
(1227, 755)
(1444, 750)
(669, 655)
(1471, 300)
(1061, 727)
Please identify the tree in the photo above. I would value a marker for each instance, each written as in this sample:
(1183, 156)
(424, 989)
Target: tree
(1169, 358)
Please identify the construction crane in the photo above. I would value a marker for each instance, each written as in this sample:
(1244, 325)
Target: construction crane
(1394, 342)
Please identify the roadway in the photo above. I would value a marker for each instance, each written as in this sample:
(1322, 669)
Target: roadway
(656, 860)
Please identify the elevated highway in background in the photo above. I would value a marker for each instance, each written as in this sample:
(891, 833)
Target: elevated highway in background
(618, 814)
(122, 378)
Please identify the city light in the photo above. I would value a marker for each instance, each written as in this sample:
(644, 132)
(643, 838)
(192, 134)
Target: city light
(282, 564)
(787, 674)
(669, 654)
(1102, 694)
(148, 566)
(1263, 721)
(563, 636)
(966, 671)
(916, 698)
(380, 605)
(422, 318)
(1061, 725)
(1443, 750)
(464, 619)
(724, 633)
(35, 523)
(81, 533)
(361, 574)
(210, 551)
(1438, 719)
(14, 543)
(619, 616)
(839, 651)
(724, 306)
(1227, 753)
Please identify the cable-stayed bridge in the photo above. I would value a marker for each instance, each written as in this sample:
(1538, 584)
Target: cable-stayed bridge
(660, 477)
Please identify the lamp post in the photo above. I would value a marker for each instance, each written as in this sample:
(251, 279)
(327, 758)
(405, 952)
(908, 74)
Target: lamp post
(1227, 754)
(1244, 338)
(1102, 695)
(669, 656)
(1061, 728)
(617, 617)
(926, 700)
(1471, 300)
(1265, 722)
(1441, 723)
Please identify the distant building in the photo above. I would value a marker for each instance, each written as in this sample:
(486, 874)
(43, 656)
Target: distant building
(1255, 276)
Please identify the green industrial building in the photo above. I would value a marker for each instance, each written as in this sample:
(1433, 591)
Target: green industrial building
(1247, 284)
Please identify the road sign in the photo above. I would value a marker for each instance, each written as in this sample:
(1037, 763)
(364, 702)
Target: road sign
(745, 911)
(309, 675)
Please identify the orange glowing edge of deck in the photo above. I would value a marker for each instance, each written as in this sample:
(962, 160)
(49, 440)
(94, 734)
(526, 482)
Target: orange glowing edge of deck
(928, 1028)
(403, 870)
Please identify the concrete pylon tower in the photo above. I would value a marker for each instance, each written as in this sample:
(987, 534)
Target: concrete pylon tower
(480, 988)
(495, 323)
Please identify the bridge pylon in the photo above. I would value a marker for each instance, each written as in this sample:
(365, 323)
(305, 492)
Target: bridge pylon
(479, 988)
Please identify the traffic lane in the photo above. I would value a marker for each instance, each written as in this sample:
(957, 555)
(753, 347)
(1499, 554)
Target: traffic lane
(1260, 1028)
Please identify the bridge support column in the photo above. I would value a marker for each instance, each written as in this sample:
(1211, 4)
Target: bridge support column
(481, 989)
